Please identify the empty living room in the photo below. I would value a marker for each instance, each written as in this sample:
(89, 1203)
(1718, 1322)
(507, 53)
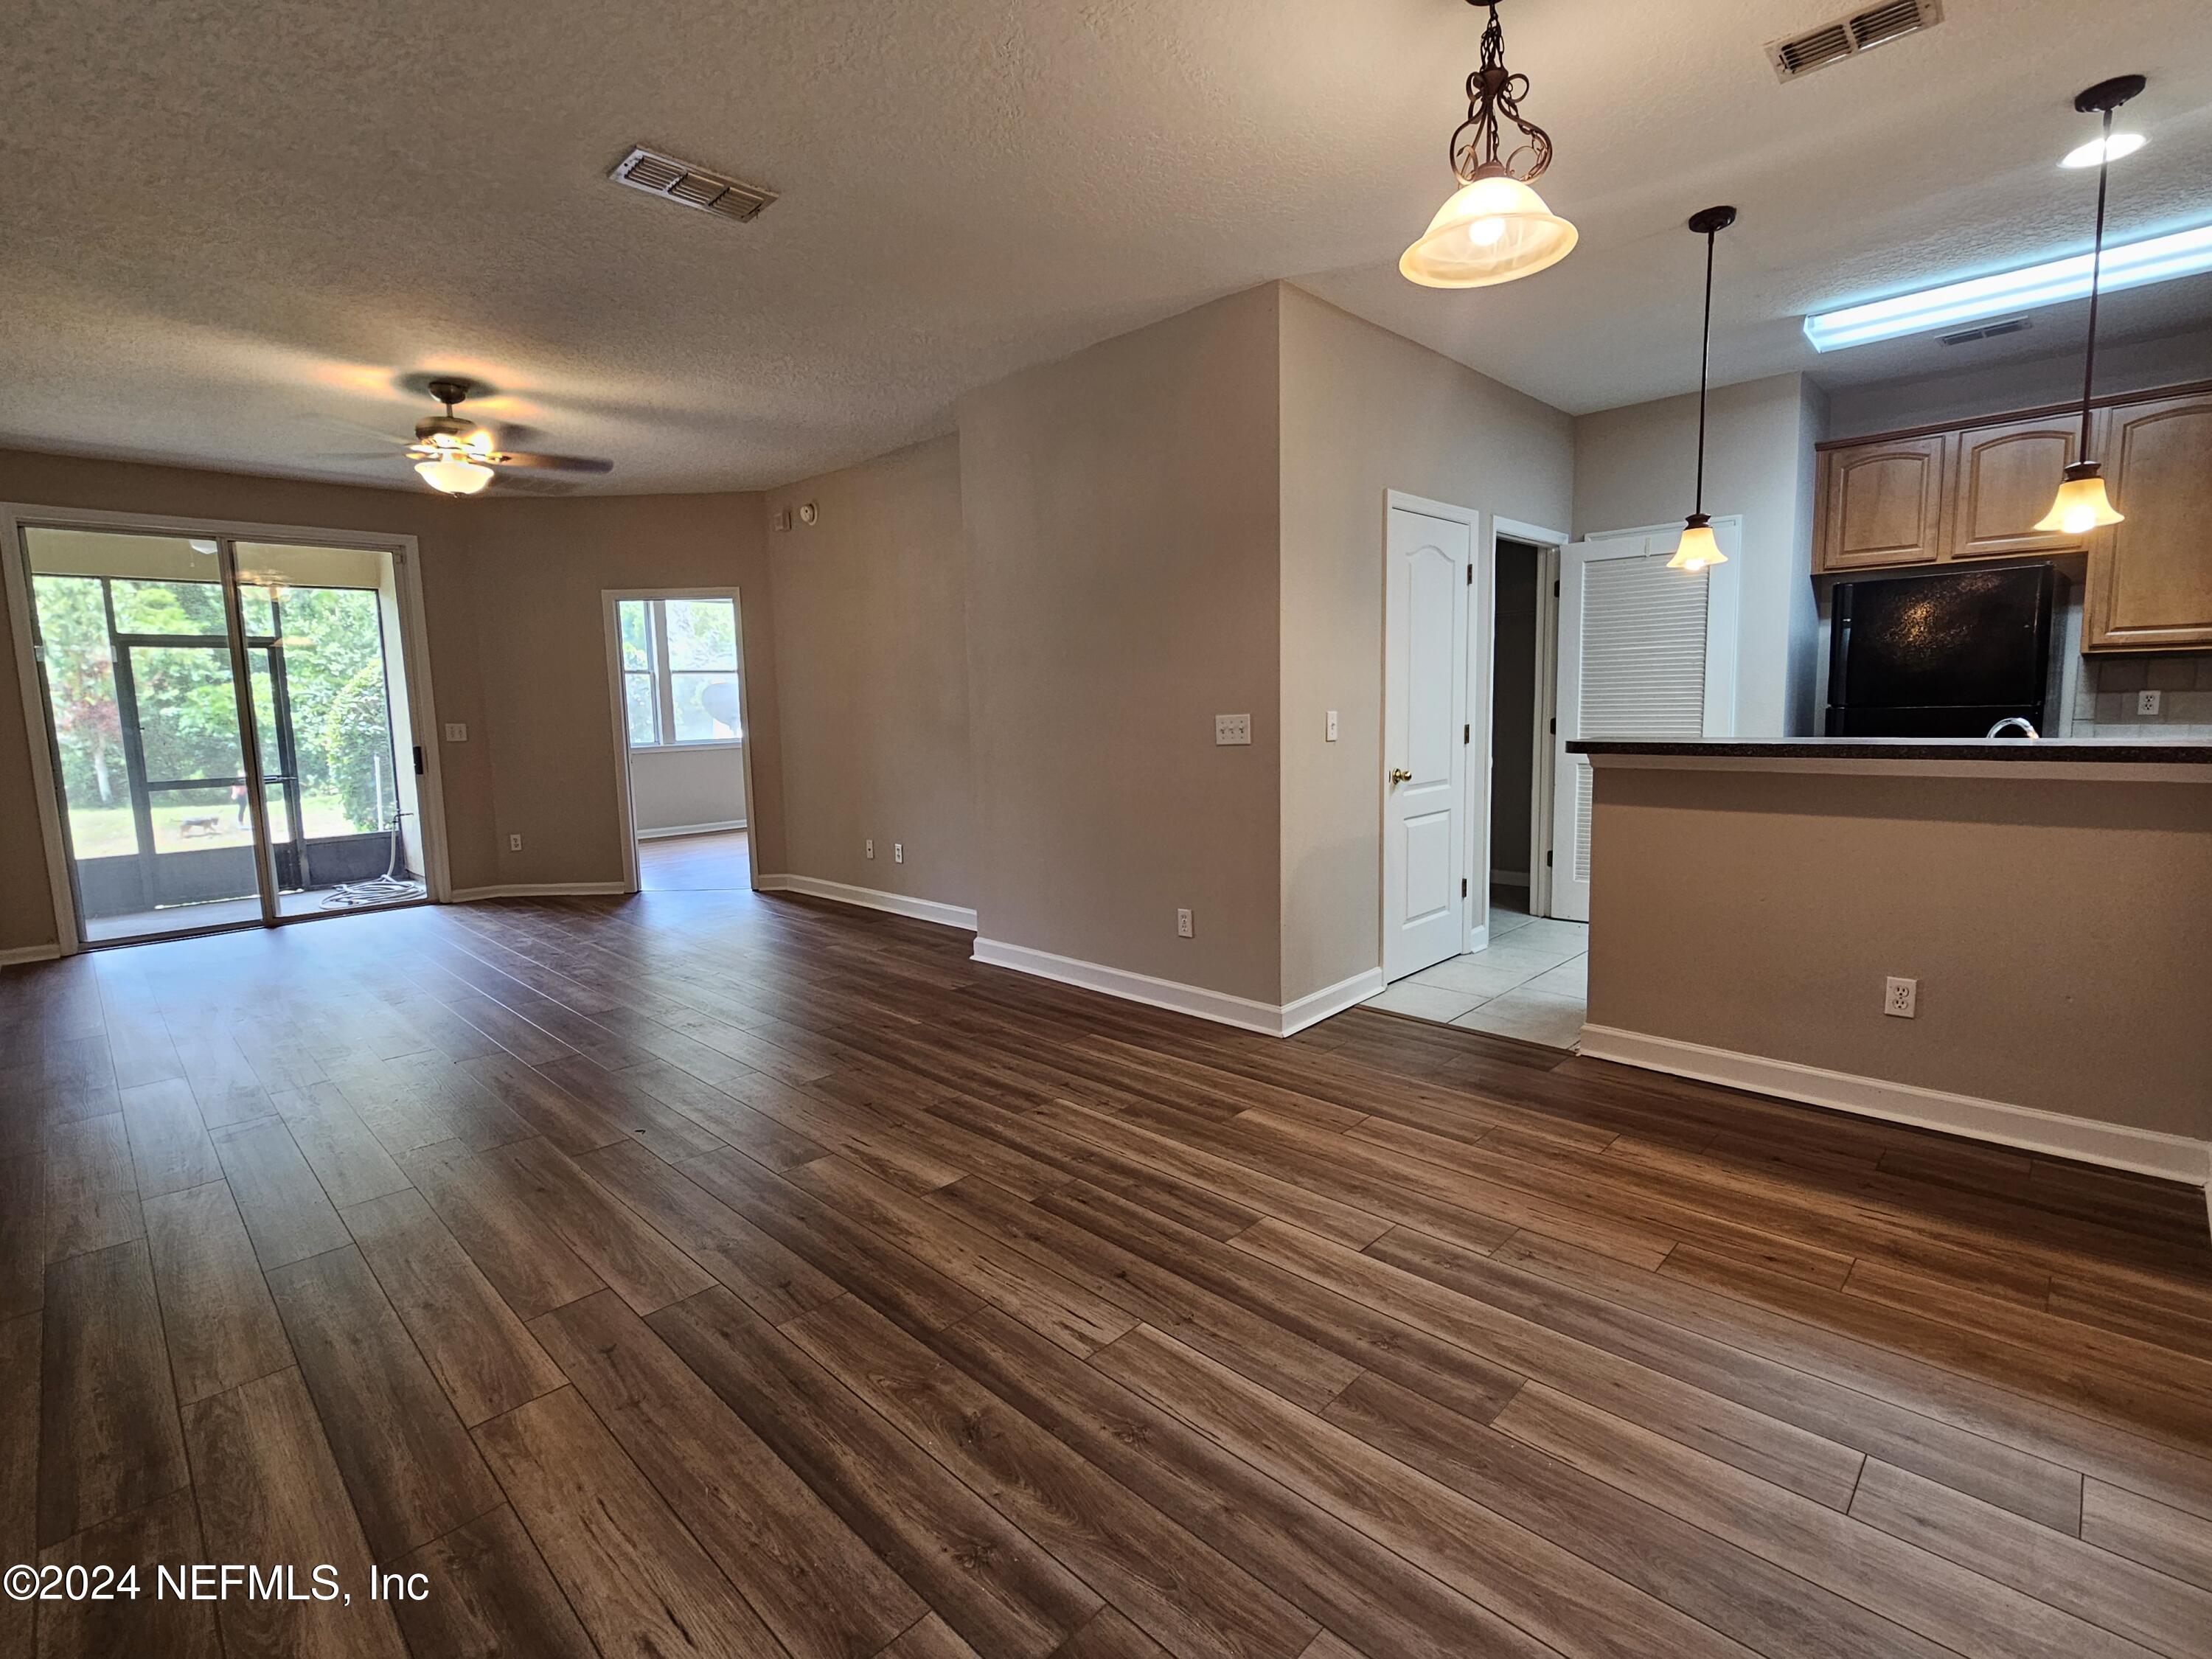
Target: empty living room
(1343, 829)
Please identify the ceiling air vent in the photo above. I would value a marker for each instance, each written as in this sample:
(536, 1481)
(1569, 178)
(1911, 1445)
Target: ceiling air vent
(1986, 331)
(1850, 35)
(695, 187)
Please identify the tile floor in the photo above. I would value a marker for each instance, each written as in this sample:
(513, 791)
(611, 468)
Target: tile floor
(1532, 982)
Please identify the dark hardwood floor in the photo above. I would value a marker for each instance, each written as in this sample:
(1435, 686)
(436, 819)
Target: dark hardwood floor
(704, 1274)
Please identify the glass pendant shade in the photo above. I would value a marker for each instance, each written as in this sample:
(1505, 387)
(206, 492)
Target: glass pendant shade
(454, 475)
(1697, 549)
(2082, 505)
(1491, 231)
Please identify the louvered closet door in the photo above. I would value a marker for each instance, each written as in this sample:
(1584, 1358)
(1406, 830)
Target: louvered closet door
(1645, 652)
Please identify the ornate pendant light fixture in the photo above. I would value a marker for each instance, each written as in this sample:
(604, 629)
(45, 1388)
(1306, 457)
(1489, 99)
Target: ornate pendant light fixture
(2082, 505)
(1698, 548)
(1493, 228)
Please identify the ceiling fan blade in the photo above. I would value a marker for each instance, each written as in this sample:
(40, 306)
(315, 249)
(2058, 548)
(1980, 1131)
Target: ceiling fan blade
(555, 463)
(528, 483)
(363, 455)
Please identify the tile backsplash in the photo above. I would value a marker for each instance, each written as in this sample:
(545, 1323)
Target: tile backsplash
(2104, 704)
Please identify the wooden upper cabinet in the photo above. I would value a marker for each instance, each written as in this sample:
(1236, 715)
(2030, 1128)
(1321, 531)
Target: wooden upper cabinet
(2006, 477)
(2150, 578)
(1883, 503)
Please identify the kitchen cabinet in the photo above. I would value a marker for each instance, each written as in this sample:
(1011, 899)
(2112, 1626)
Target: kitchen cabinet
(1975, 491)
(2007, 474)
(2150, 577)
(1883, 503)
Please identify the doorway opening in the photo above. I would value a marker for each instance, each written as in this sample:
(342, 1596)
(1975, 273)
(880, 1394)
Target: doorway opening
(676, 659)
(228, 731)
(1519, 972)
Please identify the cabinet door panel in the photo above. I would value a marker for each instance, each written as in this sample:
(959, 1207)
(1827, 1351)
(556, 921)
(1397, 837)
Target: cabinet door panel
(2007, 476)
(1884, 503)
(2150, 578)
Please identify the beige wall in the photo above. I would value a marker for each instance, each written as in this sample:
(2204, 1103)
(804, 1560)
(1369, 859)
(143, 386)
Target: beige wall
(1960, 388)
(872, 677)
(1364, 411)
(539, 569)
(2058, 930)
(1123, 535)
(511, 596)
(1638, 465)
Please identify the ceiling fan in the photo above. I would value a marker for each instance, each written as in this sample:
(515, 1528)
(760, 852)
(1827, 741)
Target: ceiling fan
(460, 458)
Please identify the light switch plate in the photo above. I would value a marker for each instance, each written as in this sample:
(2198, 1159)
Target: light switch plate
(1332, 725)
(871, 847)
(2147, 703)
(1182, 924)
(456, 733)
(1233, 728)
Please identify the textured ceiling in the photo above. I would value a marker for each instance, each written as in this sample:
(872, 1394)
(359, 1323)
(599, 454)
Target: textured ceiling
(241, 232)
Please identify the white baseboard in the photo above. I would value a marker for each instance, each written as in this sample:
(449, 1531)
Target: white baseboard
(1245, 1013)
(535, 890)
(20, 953)
(1318, 1006)
(690, 829)
(899, 904)
(2027, 1128)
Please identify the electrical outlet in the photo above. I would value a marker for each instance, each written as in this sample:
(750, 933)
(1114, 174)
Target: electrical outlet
(1233, 728)
(898, 852)
(871, 844)
(1182, 924)
(1900, 998)
(456, 733)
(2147, 703)
(1332, 725)
(515, 843)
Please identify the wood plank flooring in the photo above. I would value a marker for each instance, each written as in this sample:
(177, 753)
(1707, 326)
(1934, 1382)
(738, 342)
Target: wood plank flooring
(702, 1274)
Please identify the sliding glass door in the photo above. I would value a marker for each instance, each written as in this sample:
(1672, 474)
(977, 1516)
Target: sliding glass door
(225, 719)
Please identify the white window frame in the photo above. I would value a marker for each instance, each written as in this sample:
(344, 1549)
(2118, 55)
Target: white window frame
(664, 676)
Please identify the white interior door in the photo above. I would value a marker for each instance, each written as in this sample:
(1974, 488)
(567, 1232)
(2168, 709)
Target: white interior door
(1423, 736)
(1645, 654)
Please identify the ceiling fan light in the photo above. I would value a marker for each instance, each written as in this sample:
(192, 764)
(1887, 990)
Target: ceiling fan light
(1491, 231)
(1697, 549)
(2082, 505)
(452, 475)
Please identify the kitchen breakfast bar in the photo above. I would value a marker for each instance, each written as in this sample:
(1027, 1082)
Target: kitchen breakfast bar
(2050, 902)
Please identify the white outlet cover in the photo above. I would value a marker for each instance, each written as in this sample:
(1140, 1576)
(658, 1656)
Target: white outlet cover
(898, 852)
(1183, 929)
(1900, 998)
(1232, 729)
(2147, 703)
(456, 733)
(871, 848)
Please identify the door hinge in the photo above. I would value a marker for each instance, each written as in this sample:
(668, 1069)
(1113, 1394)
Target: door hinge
(1470, 576)
(1462, 886)
(1466, 733)
(1555, 590)
(419, 760)
(1547, 861)
(1555, 727)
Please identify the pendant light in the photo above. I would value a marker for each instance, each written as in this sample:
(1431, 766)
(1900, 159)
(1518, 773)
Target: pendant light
(2082, 505)
(1493, 228)
(1697, 548)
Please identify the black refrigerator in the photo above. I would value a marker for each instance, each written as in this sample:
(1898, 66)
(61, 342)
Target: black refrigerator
(1947, 654)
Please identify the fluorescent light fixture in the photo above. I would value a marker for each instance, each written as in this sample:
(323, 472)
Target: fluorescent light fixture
(2133, 265)
(2096, 150)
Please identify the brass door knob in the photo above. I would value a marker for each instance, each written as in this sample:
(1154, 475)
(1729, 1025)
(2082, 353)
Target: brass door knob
(1400, 775)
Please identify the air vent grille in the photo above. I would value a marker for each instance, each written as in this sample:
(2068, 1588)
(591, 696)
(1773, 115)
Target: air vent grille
(1986, 331)
(695, 187)
(1850, 35)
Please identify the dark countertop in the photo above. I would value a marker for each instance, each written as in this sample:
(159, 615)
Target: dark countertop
(2047, 750)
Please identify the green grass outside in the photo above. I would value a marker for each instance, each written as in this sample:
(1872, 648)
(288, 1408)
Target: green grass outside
(99, 832)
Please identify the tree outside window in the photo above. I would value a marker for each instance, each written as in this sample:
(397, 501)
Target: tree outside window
(679, 671)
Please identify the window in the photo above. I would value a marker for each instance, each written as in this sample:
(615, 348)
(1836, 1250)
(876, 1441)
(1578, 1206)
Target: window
(680, 671)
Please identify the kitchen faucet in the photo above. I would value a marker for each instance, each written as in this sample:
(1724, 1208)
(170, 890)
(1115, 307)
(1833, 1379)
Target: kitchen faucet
(2012, 720)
